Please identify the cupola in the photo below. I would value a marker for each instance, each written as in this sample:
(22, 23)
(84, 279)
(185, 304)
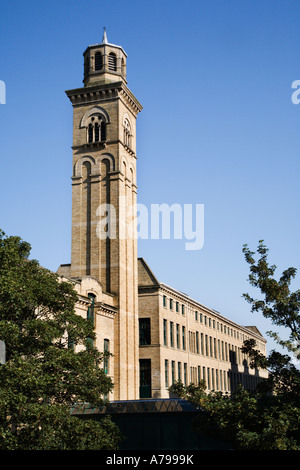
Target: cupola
(104, 63)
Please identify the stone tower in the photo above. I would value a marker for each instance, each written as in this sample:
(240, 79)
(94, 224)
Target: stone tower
(104, 244)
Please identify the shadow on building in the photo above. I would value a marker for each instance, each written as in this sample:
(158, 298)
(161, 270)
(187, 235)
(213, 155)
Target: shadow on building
(244, 378)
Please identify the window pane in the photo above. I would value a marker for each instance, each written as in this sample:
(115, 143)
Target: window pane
(98, 61)
(112, 62)
(145, 331)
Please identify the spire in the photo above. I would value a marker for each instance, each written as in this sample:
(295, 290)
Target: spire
(104, 40)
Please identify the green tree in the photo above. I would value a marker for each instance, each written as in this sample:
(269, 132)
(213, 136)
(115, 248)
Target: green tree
(282, 307)
(43, 376)
(278, 304)
(248, 421)
(269, 417)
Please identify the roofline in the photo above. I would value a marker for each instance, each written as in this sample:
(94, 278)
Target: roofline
(163, 286)
(92, 46)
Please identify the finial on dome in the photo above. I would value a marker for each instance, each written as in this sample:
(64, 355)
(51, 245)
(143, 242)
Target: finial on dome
(104, 40)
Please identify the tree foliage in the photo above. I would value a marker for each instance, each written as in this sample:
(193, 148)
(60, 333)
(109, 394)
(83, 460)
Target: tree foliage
(43, 377)
(248, 421)
(269, 417)
(278, 304)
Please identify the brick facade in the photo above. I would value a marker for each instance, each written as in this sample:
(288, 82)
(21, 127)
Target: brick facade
(105, 264)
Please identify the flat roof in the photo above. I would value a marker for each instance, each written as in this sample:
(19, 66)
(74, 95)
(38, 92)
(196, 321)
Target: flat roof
(136, 406)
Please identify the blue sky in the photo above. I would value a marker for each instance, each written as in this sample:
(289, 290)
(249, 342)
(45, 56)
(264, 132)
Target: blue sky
(218, 128)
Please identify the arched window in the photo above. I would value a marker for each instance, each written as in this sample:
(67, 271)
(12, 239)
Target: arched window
(98, 61)
(90, 133)
(96, 129)
(91, 308)
(103, 131)
(97, 134)
(112, 62)
(127, 133)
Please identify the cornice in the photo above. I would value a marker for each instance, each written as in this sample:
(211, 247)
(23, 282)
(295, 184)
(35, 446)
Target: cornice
(102, 145)
(106, 310)
(104, 92)
(161, 287)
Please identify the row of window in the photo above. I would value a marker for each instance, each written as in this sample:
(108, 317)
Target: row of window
(200, 343)
(177, 334)
(178, 307)
(99, 62)
(96, 130)
(202, 318)
(215, 379)
(174, 335)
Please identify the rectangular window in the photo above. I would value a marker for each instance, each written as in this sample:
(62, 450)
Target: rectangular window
(173, 372)
(145, 378)
(185, 373)
(202, 344)
(179, 371)
(182, 310)
(208, 378)
(196, 315)
(165, 332)
(166, 373)
(177, 336)
(106, 356)
(206, 345)
(183, 338)
(199, 374)
(70, 343)
(91, 309)
(164, 301)
(144, 331)
(197, 342)
(177, 307)
(172, 334)
(171, 304)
